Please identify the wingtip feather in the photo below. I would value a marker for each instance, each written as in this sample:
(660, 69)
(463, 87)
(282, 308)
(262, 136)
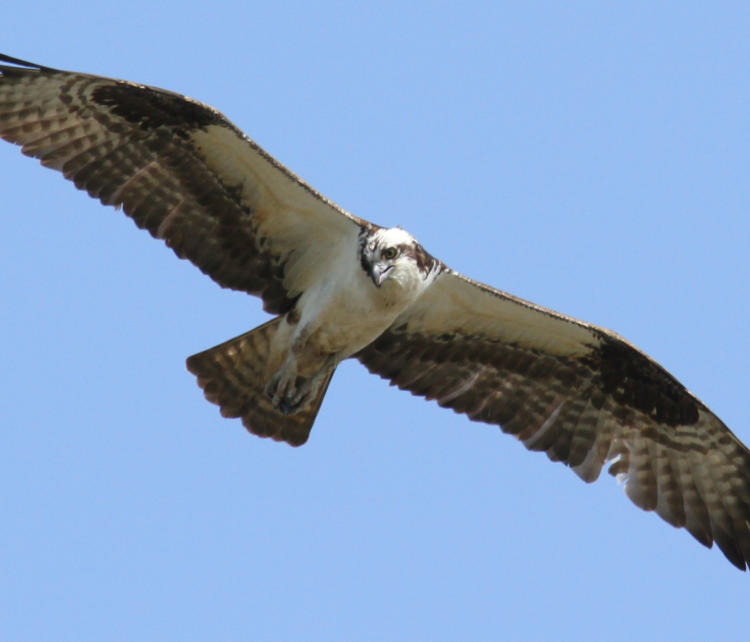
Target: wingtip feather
(24, 63)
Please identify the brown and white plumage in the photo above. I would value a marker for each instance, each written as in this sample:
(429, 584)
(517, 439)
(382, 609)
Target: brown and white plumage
(580, 393)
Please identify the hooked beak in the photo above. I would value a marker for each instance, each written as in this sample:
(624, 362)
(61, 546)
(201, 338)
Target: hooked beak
(379, 273)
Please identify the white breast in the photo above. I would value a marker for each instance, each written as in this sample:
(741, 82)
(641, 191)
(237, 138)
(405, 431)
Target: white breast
(345, 311)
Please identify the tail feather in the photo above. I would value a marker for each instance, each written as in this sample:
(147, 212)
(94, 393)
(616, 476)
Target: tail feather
(233, 375)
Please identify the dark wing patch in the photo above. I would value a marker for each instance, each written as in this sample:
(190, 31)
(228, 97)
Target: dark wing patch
(156, 108)
(217, 200)
(634, 380)
(585, 401)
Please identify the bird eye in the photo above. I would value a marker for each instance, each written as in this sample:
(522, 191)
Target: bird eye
(389, 253)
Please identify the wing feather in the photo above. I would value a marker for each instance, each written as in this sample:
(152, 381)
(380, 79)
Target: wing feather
(579, 393)
(180, 170)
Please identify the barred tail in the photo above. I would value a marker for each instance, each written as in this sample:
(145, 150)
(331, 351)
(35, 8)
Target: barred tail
(233, 375)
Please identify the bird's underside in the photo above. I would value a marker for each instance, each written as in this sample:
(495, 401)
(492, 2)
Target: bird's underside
(341, 287)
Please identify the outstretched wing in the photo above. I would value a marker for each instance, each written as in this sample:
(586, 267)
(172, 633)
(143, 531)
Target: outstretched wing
(181, 170)
(579, 393)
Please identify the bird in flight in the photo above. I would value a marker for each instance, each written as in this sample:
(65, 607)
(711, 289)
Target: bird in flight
(341, 287)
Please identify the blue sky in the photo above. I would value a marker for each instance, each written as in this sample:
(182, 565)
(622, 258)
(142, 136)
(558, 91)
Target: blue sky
(589, 156)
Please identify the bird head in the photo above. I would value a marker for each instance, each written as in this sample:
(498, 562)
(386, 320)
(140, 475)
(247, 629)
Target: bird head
(394, 255)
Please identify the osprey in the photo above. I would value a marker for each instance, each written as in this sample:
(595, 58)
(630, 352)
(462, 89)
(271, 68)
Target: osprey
(342, 287)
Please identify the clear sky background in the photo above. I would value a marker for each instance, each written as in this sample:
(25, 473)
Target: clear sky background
(589, 156)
